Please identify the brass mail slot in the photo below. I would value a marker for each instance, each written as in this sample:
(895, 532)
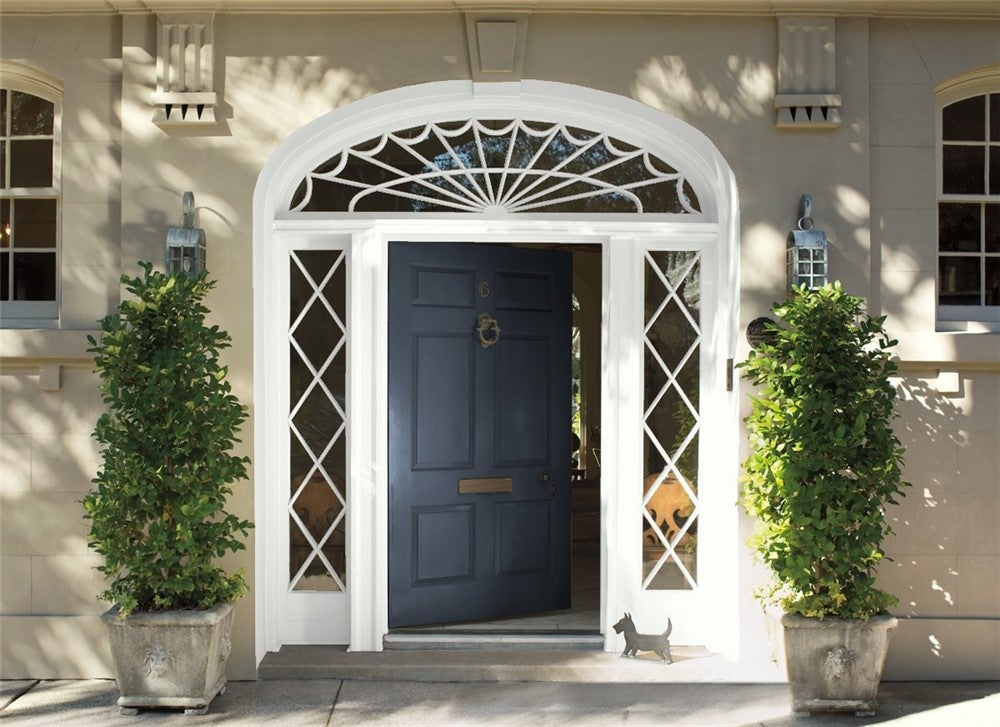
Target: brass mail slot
(484, 485)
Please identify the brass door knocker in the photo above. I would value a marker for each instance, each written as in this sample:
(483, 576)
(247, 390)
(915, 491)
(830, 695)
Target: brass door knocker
(488, 330)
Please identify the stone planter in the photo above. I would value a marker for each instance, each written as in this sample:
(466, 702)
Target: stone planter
(835, 665)
(170, 659)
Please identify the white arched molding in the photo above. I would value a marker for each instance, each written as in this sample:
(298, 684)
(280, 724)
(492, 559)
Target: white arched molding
(278, 229)
(414, 106)
(31, 80)
(970, 83)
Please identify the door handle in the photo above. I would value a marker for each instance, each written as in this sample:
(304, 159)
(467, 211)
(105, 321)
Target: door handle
(546, 480)
(488, 330)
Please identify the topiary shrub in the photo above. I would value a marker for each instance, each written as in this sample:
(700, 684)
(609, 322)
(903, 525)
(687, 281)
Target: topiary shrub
(157, 514)
(825, 461)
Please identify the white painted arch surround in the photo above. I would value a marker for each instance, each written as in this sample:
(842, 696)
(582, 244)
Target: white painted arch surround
(359, 616)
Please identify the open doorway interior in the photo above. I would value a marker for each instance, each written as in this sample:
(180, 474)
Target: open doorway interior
(583, 615)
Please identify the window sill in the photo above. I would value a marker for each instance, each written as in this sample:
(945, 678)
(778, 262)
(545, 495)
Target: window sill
(967, 327)
(968, 319)
(29, 323)
(45, 344)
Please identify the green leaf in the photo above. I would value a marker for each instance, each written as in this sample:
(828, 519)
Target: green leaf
(156, 512)
(824, 463)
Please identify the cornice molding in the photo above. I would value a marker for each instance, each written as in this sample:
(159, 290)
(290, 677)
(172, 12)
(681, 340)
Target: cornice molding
(957, 9)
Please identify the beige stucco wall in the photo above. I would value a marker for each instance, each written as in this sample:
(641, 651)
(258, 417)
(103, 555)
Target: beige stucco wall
(871, 179)
(48, 608)
(945, 564)
(945, 552)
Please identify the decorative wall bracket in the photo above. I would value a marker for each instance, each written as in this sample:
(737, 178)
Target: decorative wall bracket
(807, 73)
(185, 93)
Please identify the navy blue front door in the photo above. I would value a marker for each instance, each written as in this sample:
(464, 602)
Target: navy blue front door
(479, 431)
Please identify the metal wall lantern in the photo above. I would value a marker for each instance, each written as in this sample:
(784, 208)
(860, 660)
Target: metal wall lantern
(186, 244)
(807, 260)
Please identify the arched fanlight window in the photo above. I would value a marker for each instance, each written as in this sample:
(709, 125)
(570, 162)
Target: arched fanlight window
(495, 165)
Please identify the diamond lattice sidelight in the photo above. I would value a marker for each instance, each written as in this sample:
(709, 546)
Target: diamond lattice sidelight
(671, 420)
(317, 421)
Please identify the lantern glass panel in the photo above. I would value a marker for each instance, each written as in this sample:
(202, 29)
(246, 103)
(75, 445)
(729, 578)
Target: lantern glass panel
(807, 266)
(186, 258)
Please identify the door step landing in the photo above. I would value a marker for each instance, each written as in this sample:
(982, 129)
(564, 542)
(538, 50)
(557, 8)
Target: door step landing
(691, 664)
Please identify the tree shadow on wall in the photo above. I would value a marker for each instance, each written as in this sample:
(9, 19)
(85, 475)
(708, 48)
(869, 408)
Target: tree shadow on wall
(934, 525)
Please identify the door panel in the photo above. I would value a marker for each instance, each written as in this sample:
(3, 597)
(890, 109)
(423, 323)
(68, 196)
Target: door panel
(447, 287)
(521, 542)
(521, 291)
(459, 410)
(443, 416)
(521, 403)
(438, 559)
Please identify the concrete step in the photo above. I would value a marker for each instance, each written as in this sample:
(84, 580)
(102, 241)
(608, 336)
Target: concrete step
(691, 664)
(494, 640)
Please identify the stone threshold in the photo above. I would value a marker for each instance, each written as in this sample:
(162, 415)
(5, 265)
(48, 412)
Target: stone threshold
(475, 640)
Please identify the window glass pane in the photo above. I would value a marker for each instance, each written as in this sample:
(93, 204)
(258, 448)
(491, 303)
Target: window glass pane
(964, 168)
(959, 227)
(993, 228)
(35, 223)
(3, 112)
(965, 120)
(994, 170)
(35, 276)
(5, 272)
(671, 419)
(4, 223)
(995, 117)
(475, 166)
(317, 432)
(31, 163)
(993, 281)
(3, 163)
(30, 115)
(959, 280)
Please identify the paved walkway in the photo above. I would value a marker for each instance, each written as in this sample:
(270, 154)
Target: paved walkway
(324, 702)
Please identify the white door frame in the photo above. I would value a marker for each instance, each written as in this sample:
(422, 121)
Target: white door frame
(359, 617)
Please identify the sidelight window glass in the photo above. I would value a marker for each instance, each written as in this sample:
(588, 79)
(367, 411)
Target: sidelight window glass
(317, 421)
(671, 420)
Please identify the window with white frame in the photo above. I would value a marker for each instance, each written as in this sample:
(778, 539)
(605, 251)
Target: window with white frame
(969, 206)
(490, 165)
(29, 200)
